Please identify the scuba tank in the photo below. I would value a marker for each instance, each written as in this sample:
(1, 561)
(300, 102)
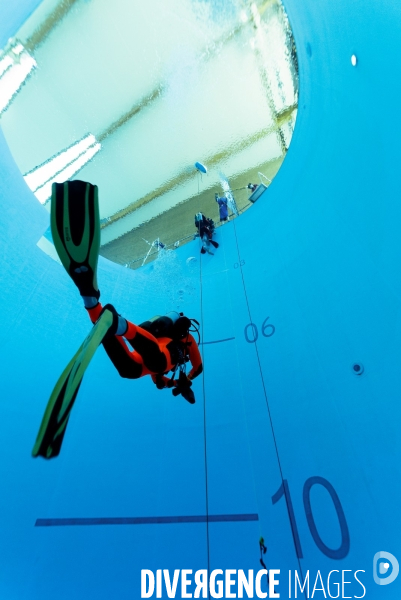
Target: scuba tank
(161, 326)
(173, 325)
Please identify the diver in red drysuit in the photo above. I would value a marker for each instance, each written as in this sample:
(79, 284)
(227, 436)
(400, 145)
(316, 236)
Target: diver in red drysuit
(150, 355)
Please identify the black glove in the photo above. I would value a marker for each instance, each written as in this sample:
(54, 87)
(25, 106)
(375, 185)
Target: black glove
(183, 384)
(159, 382)
(184, 388)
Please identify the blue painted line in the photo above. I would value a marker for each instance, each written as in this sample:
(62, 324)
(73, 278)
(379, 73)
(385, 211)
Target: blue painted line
(145, 520)
(218, 341)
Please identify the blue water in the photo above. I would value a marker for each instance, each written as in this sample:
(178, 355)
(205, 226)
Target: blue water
(314, 266)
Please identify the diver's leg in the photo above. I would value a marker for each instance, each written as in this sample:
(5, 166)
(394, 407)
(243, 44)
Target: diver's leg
(143, 342)
(148, 347)
(128, 364)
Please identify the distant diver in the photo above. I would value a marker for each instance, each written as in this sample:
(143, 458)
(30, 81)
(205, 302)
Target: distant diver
(160, 345)
(205, 229)
(223, 208)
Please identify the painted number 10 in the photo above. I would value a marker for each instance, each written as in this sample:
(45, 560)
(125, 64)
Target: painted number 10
(284, 491)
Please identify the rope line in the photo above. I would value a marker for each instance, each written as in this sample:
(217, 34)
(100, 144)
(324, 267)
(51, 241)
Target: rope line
(263, 384)
(204, 408)
(250, 452)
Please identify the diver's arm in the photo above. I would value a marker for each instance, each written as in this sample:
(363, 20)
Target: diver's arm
(195, 358)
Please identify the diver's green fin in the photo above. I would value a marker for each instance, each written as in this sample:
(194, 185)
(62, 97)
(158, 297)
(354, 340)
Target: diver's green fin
(75, 227)
(55, 420)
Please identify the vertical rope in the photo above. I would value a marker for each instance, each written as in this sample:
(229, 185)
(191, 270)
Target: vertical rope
(204, 409)
(263, 385)
(204, 431)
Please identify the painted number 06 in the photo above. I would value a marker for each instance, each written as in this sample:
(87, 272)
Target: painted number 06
(252, 334)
